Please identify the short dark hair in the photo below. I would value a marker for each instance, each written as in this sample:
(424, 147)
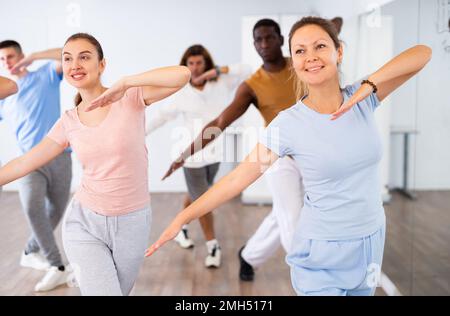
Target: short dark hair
(11, 43)
(268, 22)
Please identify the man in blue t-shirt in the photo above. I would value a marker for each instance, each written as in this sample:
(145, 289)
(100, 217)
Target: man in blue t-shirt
(44, 193)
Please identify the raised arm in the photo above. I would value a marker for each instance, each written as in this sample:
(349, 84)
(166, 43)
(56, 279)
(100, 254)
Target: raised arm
(40, 155)
(7, 87)
(400, 69)
(237, 72)
(243, 99)
(160, 83)
(53, 54)
(248, 171)
(211, 74)
(157, 84)
(391, 76)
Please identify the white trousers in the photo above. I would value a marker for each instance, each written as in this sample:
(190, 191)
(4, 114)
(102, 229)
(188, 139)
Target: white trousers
(285, 183)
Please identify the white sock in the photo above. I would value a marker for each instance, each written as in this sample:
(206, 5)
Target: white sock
(211, 244)
(184, 227)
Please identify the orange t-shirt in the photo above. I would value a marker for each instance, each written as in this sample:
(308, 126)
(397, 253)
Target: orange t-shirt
(113, 156)
(275, 91)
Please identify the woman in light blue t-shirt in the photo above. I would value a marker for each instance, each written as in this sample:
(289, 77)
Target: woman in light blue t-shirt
(332, 135)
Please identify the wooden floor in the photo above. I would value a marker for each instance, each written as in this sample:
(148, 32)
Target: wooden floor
(417, 251)
(417, 255)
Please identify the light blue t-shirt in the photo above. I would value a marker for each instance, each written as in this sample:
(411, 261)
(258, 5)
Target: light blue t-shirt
(35, 108)
(339, 161)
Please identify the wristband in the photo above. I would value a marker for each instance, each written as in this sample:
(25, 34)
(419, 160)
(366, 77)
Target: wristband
(218, 70)
(374, 86)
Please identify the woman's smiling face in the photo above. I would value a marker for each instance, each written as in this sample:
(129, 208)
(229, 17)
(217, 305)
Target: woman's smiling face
(314, 55)
(82, 66)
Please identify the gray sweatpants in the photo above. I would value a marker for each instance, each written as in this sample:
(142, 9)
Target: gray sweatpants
(199, 180)
(44, 194)
(105, 252)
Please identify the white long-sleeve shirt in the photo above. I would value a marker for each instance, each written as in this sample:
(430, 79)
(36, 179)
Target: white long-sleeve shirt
(198, 108)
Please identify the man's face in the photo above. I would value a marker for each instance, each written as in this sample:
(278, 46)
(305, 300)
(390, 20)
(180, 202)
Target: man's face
(9, 57)
(267, 43)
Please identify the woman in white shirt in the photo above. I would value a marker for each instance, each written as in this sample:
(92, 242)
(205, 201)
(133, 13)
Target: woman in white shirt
(209, 92)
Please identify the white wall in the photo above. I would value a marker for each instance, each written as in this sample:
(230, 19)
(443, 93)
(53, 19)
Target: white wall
(424, 102)
(361, 36)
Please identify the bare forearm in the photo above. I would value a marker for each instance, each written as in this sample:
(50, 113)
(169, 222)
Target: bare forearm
(409, 62)
(227, 188)
(12, 171)
(168, 77)
(54, 54)
(39, 156)
(254, 165)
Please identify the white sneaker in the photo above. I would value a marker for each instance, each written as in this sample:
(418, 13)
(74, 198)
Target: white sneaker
(73, 274)
(213, 259)
(34, 260)
(183, 239)
(52, 279)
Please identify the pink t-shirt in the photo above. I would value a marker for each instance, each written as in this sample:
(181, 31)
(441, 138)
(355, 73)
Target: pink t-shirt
(113, 156)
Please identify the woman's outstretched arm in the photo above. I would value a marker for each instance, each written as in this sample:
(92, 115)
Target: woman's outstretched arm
(157, 84)
(248, 171)
(391, 76)
(40, 155)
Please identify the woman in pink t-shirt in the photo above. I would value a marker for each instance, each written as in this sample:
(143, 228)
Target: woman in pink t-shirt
(7, 87)
(107, 225)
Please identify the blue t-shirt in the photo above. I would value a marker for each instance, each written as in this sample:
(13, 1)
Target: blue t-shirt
(35, 108)
(339, 161)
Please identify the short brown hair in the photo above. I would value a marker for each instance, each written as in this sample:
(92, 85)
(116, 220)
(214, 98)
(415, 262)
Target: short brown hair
(11, 43)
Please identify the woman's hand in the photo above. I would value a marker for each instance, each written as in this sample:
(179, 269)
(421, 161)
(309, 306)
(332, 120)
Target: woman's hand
(170, 233)
(363, 92)
(113, 94)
